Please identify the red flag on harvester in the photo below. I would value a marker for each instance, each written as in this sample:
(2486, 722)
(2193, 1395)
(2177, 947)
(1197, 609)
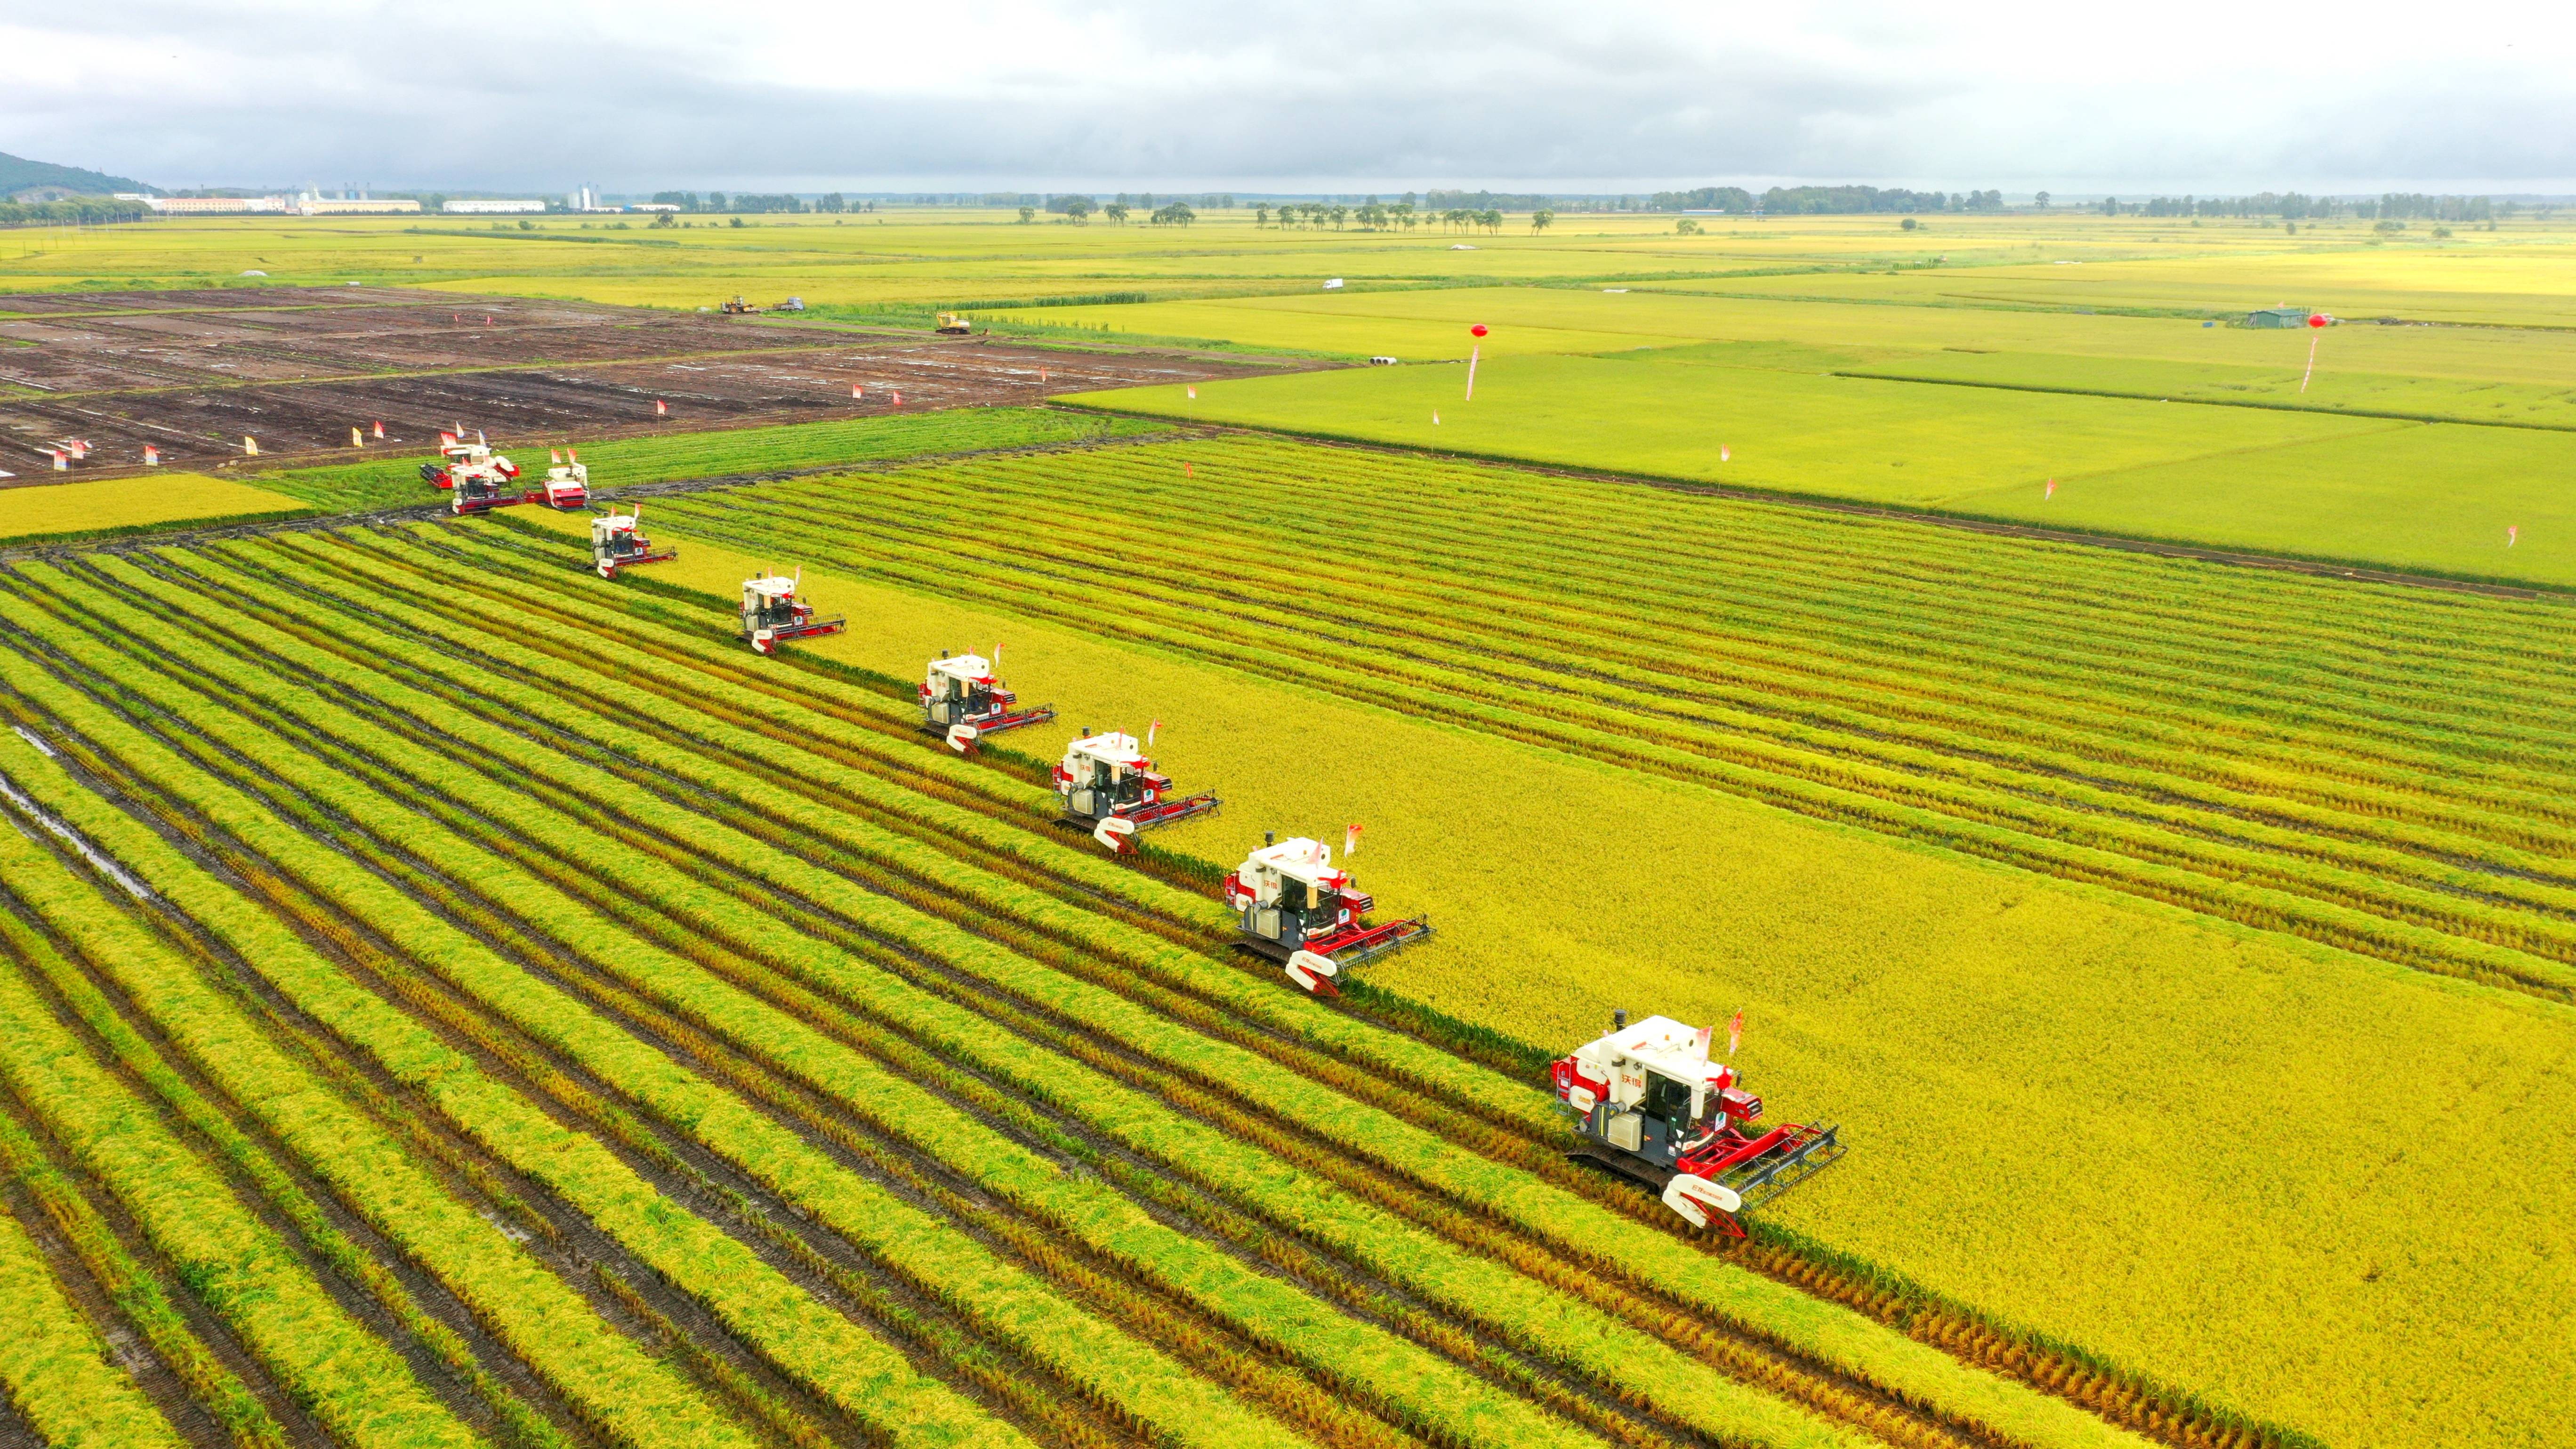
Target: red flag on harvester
(1734, 1033)
(1151, 730)
(1350, 842)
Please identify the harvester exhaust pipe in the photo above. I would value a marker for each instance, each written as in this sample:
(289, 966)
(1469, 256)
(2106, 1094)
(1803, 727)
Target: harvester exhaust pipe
(1619, 1019)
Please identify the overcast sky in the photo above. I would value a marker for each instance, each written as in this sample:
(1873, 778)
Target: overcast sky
(1590, 95)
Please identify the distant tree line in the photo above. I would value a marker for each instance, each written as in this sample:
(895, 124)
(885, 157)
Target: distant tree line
(84, 210)
(743, 201)
(2296, 206)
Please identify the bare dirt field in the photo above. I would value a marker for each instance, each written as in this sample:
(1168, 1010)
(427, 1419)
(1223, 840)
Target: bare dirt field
(194, 373)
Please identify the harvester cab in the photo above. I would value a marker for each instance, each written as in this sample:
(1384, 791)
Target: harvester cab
(1107, 783)
(1295, 907)
(1649, 1103)
(773, 615)
(617, 542)
(963, 701)
(953, 324)
(482, 490)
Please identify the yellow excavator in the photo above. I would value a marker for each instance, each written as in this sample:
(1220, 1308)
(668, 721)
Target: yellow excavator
(953, 324)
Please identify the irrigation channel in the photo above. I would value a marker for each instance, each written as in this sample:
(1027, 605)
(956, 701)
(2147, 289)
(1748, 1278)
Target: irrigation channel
(638, 1041)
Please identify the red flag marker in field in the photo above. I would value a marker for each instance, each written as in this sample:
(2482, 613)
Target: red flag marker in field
(1041, 377)
(2511, 532)
(1194, 393)
(1473, 349)
(62, 461)
(898, 399)
(661, 409)
(487, 319)
(2316, 332)
(2051, 491)
(855, 395)
(1735, 1033)
(151, 456)
(1188, 471)
(1435, 417)
(1725, 453)
(380, 428)
(1351, 842)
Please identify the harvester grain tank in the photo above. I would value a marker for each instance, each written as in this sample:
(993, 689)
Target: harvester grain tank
(1648, 1103)
(459, 460)
(1296, 907)
(567, 484)
(962, 701)
(1107, 783)
(772, 614)
(617, 542)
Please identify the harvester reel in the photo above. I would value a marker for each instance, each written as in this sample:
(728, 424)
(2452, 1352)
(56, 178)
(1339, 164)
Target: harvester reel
(1692, 1196)
(1314, 972)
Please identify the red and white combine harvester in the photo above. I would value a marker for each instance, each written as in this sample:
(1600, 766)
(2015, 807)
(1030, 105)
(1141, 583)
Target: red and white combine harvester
(616, 543)
(1107, 783)
(1649, 1103)
(567, 484)
(459, 460)
(964, 702)
(772, 614)
(1297, 908)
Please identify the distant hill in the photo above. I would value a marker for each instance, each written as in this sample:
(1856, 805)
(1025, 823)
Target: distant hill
(17, 173)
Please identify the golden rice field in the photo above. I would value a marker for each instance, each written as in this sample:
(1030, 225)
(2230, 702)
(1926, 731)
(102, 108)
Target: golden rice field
(132, 505)
(2108, 945)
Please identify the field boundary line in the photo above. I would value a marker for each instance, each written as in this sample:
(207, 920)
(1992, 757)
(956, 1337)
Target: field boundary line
(2216, 402)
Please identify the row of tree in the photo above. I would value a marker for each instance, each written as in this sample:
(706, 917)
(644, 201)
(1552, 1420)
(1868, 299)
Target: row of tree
(1374, 215)
(79, 210)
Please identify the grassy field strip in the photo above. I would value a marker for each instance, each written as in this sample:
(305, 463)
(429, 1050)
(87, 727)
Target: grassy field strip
(747, 1295)
(135, 953)
(2328, 906)
(1367, 1132)
(2426, 497)
(337, 1371)
(1478, 1289)
(198, 1376)
(55, 1368)
(856, 1209)
(1752, 707)
(581, 670)
(628, 462)
(1427, 1387)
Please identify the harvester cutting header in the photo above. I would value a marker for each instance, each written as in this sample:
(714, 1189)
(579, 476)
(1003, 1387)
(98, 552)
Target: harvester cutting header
(1296, 907)
(1650, 1104)
(1107, 783)
(963, 702)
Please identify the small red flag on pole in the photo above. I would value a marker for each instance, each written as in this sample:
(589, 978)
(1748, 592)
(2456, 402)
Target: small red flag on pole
(1735, 1033)
(151, 456)
(1725, 453)
(898, 399)
(2051, 491)
(854, 392)
(1194, 392)
(1473, 350)
(380, 428)
(1350, 842)
(2511, 532)
(661, 409)
(1152, 730)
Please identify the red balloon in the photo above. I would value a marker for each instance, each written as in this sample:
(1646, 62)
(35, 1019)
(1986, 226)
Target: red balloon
(1479, 329)
(2316, 319)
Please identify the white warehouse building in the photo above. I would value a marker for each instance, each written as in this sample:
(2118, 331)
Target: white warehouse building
(486, 206)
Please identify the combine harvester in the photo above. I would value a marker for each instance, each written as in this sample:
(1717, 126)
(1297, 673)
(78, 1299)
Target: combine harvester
(1648, 1103)
(963, 701)
(1109, 785)
(616, 544)
(1297, 909)
(772, 614)
(459, 460)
